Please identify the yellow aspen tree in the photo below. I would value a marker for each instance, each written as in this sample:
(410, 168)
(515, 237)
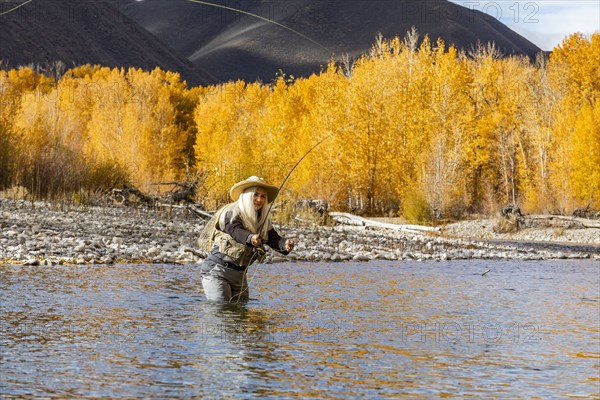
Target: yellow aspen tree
(327, 120)
(184, 102)
(481, 158)
(15, 87)
(442, 175)
(5, 136)
(363, 138)
(110, 144)
(285, 126)
(217, 149)
(511, 149)
(574, 71)
(537, 193)
(80, 91)
(36, 125)
(410, 111)
(150, 127)
(585, 178)
(251, 140)
(382, 129)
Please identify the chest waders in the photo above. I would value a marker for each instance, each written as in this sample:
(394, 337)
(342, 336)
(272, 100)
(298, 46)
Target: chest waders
(240, 254)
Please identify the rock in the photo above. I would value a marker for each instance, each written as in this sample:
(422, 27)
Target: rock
(316, 257)
(153, 252)
(105, 234)
(361, 258)
(168, 259)
(171, 246)
(31, 262)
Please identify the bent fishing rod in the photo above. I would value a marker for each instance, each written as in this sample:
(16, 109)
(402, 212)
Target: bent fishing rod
(259, 251)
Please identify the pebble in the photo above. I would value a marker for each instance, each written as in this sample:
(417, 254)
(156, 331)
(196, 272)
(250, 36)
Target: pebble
(31, 262)
(361, 257)
(42, 235)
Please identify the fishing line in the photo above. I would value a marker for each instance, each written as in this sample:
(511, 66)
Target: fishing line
(245, 288)
(14, 8)
(263, 19)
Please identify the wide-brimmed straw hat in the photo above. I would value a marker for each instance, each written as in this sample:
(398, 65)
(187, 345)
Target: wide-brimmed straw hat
(253, 181)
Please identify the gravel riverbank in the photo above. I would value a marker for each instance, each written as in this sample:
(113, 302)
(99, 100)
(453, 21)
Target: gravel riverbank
(48, 234)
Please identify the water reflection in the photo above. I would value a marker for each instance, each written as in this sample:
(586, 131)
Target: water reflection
(344, 330)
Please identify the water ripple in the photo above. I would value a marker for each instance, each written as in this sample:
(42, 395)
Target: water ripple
(378, 329)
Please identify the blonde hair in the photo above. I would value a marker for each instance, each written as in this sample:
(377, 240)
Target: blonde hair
(251, 219)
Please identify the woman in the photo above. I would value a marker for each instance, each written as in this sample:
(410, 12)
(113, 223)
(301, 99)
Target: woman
(240, 231)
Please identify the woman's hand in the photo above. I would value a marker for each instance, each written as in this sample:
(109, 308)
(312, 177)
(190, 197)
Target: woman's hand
(289, 245)
(256, 240)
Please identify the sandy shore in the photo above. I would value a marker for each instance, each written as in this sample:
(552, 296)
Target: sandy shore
(47, 234)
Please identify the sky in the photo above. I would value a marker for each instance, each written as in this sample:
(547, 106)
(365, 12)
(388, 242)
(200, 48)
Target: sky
(543, 22)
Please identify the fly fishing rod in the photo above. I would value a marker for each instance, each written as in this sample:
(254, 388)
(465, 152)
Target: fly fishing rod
(259, 253)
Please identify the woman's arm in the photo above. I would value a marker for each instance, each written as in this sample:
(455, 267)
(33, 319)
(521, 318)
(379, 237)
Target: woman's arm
(276, 242)
(236, 229)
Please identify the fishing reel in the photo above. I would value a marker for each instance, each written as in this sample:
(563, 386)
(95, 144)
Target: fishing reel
(259, 253)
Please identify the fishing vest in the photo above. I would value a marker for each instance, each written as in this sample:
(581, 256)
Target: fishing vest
(239, 253)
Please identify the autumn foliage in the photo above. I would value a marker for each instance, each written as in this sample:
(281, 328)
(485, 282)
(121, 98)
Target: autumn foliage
(421, 130)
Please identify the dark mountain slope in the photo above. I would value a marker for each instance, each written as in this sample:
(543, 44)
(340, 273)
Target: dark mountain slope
(80, 32)
(233, 45)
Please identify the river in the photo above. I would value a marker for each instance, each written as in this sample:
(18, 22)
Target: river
(465, 329)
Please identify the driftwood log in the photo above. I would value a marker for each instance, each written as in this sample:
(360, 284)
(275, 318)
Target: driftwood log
(129, 195)
(191, 207)
(350, 219)
(181, 192)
